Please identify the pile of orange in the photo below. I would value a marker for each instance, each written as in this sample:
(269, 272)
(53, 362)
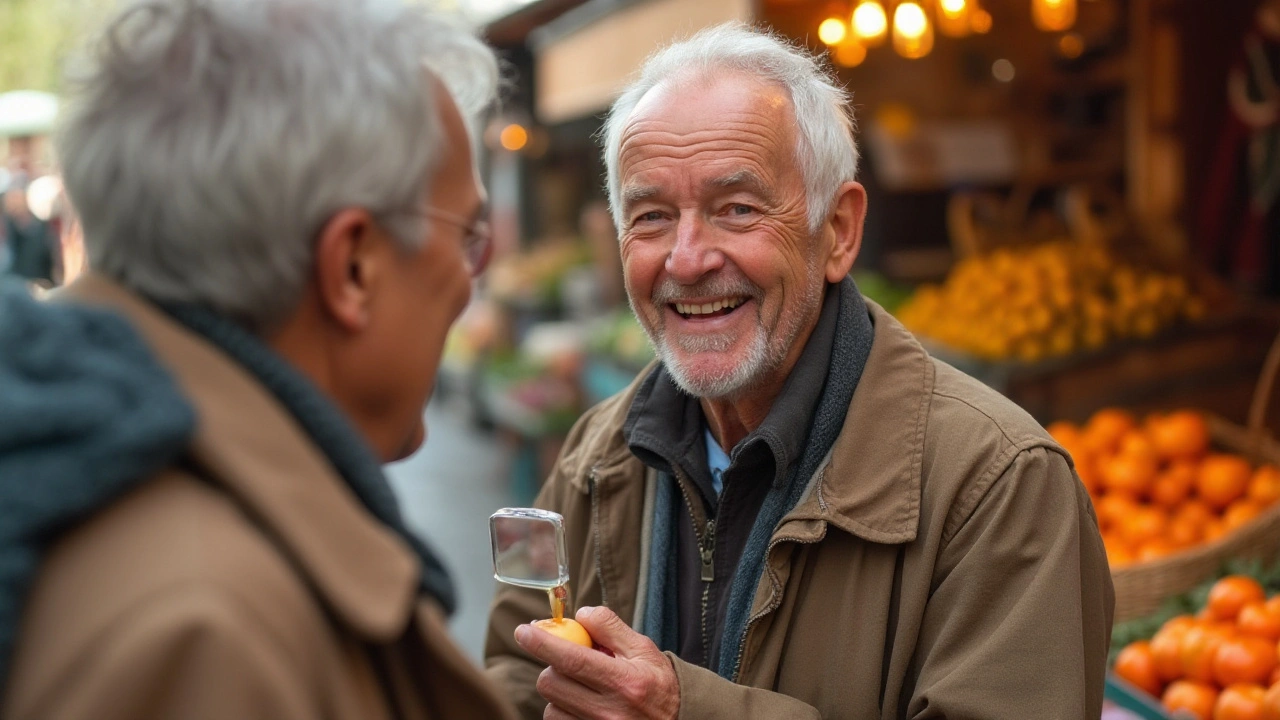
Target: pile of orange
(1158, 487)
(1222, 663)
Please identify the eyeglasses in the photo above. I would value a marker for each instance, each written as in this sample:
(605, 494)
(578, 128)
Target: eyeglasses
(477, 237)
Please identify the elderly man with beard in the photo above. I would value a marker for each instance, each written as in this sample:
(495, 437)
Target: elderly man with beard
(796, 512)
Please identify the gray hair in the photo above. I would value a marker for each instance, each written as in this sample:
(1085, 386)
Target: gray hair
(825, 151)
(209, 141)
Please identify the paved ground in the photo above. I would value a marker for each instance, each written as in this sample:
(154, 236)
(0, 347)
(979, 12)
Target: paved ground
(447, 492)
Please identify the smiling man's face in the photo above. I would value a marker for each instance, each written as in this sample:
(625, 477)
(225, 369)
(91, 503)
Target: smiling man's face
(720, 266)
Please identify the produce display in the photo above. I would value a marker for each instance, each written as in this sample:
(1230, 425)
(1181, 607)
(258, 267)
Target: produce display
(1047, 300)
(1158, 486)
(1220, 662)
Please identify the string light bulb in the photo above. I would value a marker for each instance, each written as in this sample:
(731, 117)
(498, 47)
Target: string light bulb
(953, 17)
(1053, 15)
(832, 31)
(870, 23)
(912, 33)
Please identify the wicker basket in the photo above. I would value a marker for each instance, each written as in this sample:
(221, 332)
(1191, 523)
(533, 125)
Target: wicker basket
(1141, 588)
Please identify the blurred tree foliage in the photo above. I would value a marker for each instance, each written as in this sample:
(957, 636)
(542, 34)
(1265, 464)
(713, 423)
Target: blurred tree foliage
(38, 36)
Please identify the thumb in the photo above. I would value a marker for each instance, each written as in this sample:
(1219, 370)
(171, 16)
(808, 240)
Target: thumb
(608, 630)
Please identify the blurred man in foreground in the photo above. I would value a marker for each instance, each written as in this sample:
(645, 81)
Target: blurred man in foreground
(796, 512)
(283, 217)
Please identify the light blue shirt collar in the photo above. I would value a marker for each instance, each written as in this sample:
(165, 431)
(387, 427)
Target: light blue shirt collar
(717, 461)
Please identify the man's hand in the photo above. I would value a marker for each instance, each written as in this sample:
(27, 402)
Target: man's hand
(637, 682)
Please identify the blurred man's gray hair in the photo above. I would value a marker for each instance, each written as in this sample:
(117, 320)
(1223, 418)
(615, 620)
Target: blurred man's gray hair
(825, 150)
(208, 141)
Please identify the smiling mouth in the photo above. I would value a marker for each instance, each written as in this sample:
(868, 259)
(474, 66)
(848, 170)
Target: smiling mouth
(718, 308)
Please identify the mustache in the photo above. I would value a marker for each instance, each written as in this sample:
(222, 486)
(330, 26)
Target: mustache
(669, 291)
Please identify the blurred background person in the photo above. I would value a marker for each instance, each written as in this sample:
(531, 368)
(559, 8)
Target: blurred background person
(282, 216)
(27, 239)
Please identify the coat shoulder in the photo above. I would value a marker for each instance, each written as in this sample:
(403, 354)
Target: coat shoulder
(175, 561)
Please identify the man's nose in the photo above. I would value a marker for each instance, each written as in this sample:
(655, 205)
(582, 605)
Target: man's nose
(695, 252)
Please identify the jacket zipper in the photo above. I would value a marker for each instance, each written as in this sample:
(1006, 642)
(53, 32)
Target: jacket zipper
(592, 487)
(706, 539)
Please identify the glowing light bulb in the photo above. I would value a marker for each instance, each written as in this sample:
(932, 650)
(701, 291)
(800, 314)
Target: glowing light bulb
(513, 137)
(953, 17)
(912, 33)
(870, 23)
(832, 31)
(1053, 15)
(980, 22)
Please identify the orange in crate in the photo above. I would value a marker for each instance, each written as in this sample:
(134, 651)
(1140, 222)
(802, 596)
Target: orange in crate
(1194, 697)
(1136, 663)
(1244, 659)
(1173, 485)
(1104, 431)
(1229, 595)
(1260, 619)
(1223, 479)
(1243, 701)
(1182, 434)
(1264, 486)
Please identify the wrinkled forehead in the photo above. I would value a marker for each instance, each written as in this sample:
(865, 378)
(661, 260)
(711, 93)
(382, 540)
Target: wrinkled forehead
(693, 99)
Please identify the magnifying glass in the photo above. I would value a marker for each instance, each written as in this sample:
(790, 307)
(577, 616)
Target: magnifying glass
(529, 551)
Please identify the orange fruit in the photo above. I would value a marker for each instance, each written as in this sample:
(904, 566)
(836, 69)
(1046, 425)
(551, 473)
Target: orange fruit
(1166, 647)
(1240, 513)
(1143, 524)
(1131, 473)
(1271, 703)
(1258, 619)
(1230, 594)
(1135, 442)
(1104, 430)
(1113, 508)
(1264, 486)
(1087, 471)
(566, 629)
(1222, 479)
(1213, 530)
(1185, 531)
(1196, 698)
(1118, 552)
(1173, 485)
(1136, 664)
(1064, 432)
(1244, 659)
(1182, 434)
(1199, 648)
(1242, 701)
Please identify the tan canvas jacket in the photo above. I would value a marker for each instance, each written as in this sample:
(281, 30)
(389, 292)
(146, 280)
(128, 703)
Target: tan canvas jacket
(945, 562)
(260, 589)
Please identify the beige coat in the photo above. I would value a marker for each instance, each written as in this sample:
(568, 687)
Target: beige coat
(260, 589)
(945, 562)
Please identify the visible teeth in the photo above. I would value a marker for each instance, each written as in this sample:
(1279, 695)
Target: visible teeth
(707, 308)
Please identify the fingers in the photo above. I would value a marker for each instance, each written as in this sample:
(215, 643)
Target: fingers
(554, 713)
(570, 698)
(588, 667)
(607, 629)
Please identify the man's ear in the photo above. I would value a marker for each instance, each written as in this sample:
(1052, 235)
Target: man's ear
(347, 268)
(846, 230)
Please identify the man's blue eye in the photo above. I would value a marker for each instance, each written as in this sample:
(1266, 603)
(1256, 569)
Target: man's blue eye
(742, 209)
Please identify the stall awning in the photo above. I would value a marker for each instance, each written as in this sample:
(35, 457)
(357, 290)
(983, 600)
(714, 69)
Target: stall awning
(582, 65)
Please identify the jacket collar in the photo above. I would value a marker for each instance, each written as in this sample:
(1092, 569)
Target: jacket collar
(247, 442)
(871, 484)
